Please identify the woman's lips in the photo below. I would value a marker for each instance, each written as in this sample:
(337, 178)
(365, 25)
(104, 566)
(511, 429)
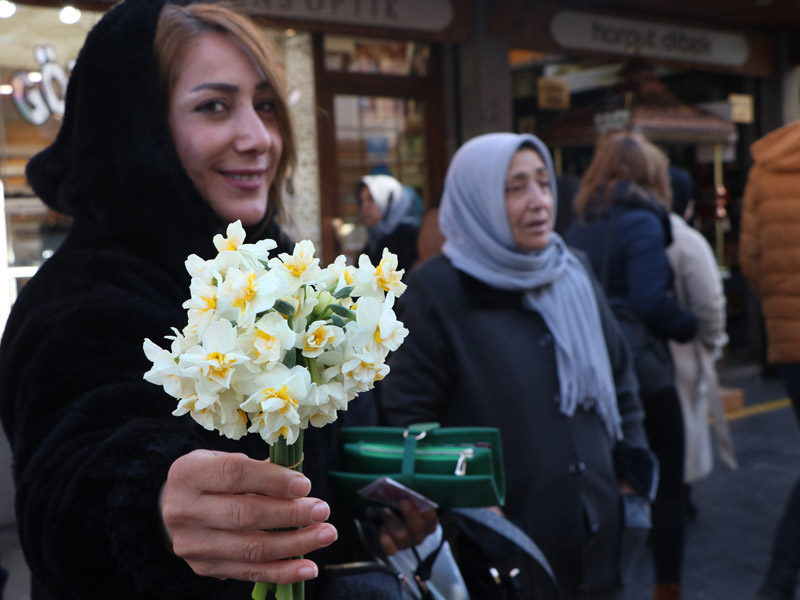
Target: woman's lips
(244, 179)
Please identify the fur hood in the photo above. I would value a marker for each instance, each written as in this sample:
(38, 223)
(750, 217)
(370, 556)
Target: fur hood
(113, 166)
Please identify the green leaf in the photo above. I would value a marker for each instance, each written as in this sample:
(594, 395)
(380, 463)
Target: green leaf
(343, 312)
(264, 263)
(283, 307)
(338, 321)
(290, 359)
(343, 293)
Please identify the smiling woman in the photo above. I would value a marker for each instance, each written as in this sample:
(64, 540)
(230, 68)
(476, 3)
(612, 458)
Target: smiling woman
(227, 112)
(176, 122)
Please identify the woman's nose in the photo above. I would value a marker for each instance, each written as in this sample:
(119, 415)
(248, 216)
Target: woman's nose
(252, 133)
(535, 195)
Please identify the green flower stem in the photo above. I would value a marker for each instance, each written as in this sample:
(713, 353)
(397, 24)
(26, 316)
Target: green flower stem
(313, 371)
(286, 455)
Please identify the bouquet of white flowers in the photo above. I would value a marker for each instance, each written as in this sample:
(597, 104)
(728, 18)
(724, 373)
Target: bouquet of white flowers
(275, 344)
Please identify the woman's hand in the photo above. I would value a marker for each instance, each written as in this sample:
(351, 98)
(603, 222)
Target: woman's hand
(398, 534)
(218, 509)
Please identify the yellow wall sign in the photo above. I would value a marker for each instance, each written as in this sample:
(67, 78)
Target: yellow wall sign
(552, 94)
(741, 108)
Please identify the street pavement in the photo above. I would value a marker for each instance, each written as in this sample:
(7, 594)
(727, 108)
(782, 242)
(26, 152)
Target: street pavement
(729, 541)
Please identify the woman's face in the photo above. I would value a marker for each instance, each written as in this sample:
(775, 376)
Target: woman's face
(223, 123)
(529, 201)
(370, 211)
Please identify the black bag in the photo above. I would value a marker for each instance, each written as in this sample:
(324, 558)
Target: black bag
(497, 559)
(367, 580)
(652, 359)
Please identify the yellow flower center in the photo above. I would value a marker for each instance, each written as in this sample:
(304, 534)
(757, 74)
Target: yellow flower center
(211, 303)
(296, 268)
(222, 365)
(247, 292)
(317, 339)
(283, 394)
(348, 277)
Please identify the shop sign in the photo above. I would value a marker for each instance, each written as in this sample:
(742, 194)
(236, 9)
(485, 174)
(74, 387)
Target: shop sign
(741, 108)
(413, 15)
(552, 94)
(571, 29)
(40, 97)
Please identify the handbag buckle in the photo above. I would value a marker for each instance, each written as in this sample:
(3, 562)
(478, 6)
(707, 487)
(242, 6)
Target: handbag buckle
(461, 465)
(418, 437)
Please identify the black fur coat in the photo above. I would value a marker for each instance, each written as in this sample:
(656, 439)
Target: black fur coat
(92, 440)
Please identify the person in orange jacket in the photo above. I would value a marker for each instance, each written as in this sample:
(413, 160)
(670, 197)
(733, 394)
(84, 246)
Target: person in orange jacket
(769, 249)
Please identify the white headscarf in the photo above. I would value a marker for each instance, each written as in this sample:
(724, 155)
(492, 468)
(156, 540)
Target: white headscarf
(394, 202)
(480, 242)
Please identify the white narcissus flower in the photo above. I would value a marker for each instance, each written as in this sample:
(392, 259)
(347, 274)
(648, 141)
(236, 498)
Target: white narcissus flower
(215, 357)
(387, 275)
(322, 405)
(300, 267)
(272, 338)
(376, 281)
(390, 332)
(365, 367)
(377, 324)
(274, 401)
(202, 304)
(165, 371)
(320, 335)
(339, 274)
(250, 293)
(236, 235)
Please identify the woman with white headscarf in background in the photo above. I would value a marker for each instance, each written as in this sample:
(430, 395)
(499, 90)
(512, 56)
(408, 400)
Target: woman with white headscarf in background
(508, 329)
(387, 210)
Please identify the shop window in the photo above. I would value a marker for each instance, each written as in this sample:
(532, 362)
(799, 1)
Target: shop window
(375, 135)
(377, 56)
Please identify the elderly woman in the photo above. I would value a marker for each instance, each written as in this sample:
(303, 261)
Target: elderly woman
(508, 329)
(387, 209)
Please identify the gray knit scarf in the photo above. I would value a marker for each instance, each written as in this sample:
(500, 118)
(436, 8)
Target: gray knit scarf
(474, 220)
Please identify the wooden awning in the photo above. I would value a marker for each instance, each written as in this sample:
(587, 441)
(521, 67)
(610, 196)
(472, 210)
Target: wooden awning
(654, 111)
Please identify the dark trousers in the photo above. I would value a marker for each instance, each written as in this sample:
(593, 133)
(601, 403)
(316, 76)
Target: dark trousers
(781, 579)
(664, 426)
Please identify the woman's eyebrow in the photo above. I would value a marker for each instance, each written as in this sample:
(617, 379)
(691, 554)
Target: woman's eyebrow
(228, 87)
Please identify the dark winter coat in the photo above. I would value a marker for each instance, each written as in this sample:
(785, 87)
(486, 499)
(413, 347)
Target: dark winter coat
(635, 234)
(92, 440)
(475, 356)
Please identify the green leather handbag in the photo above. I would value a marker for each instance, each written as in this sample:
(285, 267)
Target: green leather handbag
(455, 467)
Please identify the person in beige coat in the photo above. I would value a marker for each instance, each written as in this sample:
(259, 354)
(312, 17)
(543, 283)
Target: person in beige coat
(698, 288)
(769, 253)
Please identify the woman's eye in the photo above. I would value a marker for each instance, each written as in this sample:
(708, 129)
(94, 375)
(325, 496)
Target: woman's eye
(544, 184)
(268, 107)
(211, 107)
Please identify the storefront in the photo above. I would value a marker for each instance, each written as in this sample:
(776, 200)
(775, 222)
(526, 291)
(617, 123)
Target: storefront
(366, 91)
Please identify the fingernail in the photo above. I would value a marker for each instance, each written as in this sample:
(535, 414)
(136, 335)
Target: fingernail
(299, 486)
(308, 572)
(320, 512)
(327, 536)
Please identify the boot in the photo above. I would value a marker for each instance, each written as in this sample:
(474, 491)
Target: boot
(667, 591)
